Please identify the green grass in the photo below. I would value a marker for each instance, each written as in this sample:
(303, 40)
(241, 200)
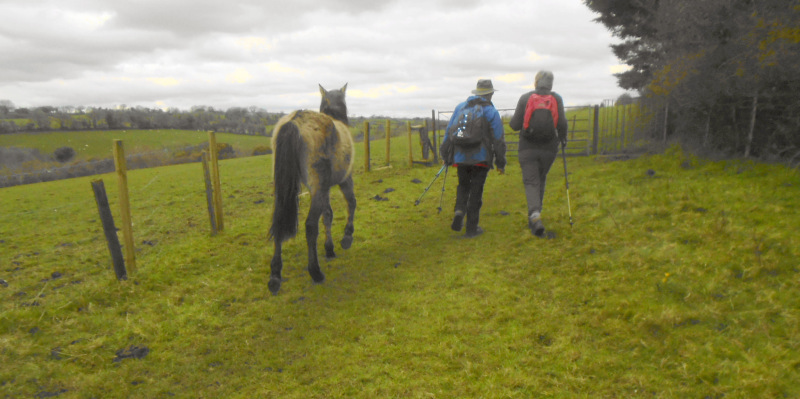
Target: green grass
(679, 278)
(98, 144)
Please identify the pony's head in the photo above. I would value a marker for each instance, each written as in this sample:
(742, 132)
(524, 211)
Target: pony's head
(333, 103)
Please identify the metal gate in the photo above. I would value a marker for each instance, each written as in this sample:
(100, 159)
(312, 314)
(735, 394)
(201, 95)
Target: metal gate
(592, 129)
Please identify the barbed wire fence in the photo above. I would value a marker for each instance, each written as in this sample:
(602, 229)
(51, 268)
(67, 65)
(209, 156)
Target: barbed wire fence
(141, 160)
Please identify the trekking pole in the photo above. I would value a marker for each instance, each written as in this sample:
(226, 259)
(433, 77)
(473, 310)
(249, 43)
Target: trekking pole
(441, 197)
(429, 185)
(566, 181)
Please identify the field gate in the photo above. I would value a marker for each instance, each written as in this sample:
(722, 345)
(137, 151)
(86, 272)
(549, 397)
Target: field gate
(592, 129)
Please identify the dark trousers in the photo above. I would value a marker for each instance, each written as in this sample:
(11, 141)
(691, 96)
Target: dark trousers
(469, 195)
(535, 164)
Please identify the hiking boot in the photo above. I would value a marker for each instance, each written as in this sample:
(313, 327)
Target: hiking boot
(538, 229)
(458, 221)
(478, 231)
(535, 224)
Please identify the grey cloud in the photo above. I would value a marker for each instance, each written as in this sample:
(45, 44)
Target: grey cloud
(96, 52)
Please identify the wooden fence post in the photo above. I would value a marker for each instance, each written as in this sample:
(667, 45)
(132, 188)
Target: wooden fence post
(124, 205)
(366, 146)
(435, 137)
(626, 120)
(410, 152)
(617, 130)
(388, 142)
(666, 119)
(752, 126)
(212, 146)
(596, 129)
(109, 229)
(212, 215)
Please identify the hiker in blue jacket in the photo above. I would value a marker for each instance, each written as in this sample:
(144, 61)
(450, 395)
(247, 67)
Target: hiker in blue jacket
(535, 159)
(473, 164)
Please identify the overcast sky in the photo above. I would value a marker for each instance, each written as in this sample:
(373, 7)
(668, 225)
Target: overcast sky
(400, 58)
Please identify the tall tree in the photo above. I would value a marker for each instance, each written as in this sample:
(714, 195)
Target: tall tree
(733, 58)
(632, 21)
(6, 107)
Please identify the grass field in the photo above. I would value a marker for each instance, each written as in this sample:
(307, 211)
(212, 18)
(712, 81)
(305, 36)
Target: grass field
(98, 144)
(679, 278)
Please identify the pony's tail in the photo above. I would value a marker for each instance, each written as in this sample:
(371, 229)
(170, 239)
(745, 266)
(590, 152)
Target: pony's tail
(288, 169)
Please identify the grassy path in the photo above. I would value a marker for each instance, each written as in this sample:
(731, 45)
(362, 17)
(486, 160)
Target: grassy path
(679, 278)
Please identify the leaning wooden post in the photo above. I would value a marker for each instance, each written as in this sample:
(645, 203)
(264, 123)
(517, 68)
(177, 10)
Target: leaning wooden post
(410, 145)
(212, 145)
(212, 215)
(388, 142)
(124, 205)
(366, 146)
(109, 229)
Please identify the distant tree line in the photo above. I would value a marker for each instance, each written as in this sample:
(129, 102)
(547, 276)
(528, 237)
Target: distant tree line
(249, 121)
(252, 121)
(727, 71)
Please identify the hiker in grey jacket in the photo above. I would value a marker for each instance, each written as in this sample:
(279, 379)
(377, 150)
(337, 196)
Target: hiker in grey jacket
(535, 159)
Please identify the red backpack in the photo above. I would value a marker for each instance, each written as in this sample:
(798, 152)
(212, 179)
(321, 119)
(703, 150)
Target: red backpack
(541, 118)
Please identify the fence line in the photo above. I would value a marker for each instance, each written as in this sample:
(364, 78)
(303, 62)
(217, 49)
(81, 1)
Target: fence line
(580, 132)
(605, 128)
(88, 202)
(101, 166)
(594, 129)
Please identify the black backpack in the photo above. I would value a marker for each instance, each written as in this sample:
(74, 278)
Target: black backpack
(541, 118)
(471, 125)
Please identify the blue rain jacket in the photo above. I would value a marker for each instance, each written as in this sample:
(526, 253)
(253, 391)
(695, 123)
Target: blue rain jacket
(492, 149)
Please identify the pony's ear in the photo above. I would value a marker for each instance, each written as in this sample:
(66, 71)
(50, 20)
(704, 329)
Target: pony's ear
(322, 90)
(344, 89)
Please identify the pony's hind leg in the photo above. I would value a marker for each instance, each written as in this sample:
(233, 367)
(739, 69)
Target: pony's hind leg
(350, 196)
(275, 270)
(318, 205)
(327, 220)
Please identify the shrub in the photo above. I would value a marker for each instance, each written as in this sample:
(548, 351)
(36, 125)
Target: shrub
(262, 150)
(64, 154)
(624, 99)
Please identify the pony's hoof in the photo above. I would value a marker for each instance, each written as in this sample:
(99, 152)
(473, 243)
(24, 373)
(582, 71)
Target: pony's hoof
(274, 285)
(347, 241)
(318, 278)
(329, 252)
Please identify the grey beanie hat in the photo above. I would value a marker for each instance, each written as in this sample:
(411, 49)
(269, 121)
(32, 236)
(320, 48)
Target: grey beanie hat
(543, 80)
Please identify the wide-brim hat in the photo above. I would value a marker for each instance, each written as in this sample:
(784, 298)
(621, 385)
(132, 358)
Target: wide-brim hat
(484, 87)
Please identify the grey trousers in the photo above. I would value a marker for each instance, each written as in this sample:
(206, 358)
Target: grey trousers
(535, 164)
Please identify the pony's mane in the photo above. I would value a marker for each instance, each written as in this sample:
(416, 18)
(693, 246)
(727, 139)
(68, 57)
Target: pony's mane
(333, 104)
